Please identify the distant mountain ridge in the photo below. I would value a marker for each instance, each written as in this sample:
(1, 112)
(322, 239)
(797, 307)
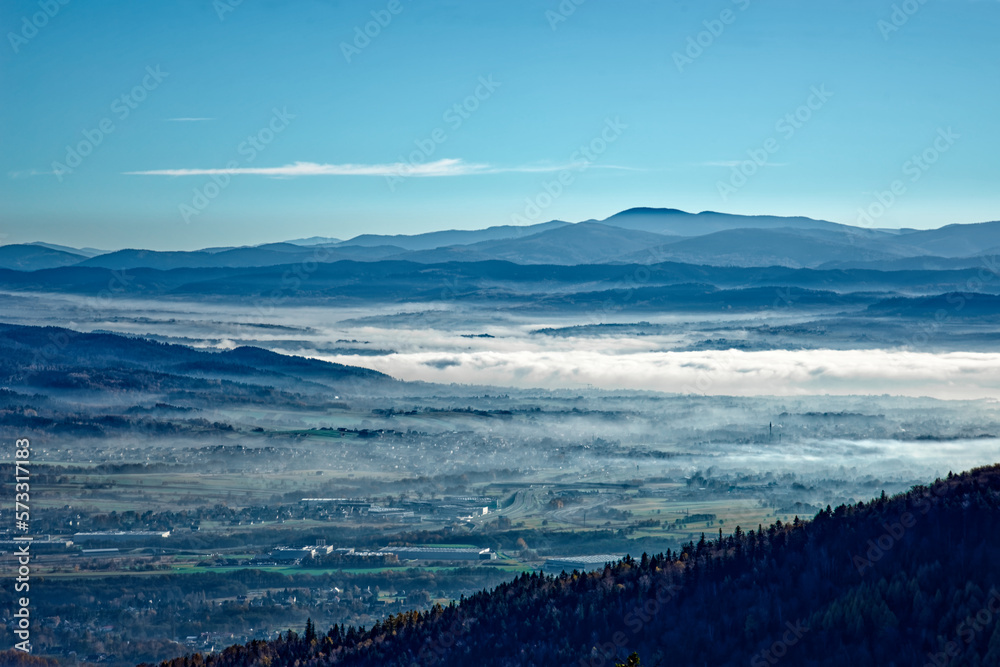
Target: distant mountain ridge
(682, 223)
(638, 235)
(594, 288)
(580, 243)
(129, 356)
(32, 257)
(432, 240)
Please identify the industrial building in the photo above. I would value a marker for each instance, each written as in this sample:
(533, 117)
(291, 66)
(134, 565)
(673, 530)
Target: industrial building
(291, 554)
(296, 554)
(451, 508)
(395, 514)
(355, 504)
(440, 553)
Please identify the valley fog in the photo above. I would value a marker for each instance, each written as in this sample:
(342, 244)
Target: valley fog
(217, 439)
(671, 353)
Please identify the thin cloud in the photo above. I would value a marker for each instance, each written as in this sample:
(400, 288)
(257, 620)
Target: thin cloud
(438, 168)
(447, 167)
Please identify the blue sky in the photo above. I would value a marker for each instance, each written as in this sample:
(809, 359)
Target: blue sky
(227, 123)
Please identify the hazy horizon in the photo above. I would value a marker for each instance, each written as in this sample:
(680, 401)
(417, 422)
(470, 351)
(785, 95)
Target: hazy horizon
(6, 240)
(346, 119)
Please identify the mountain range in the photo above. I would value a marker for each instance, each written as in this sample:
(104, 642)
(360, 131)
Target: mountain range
(639, 236)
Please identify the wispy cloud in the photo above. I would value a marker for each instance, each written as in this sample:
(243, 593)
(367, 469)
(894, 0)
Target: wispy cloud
(187, 120)
(438, 168)
(446, 167)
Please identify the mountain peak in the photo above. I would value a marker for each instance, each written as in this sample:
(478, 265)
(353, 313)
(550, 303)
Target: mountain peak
(648, 210)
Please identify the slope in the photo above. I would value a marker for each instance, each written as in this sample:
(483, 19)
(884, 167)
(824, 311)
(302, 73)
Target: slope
(782, 247)
(42, 357)
(32, 257)
(431, 240)
(581, 243)
(680, 223)
(271, 254)
(957, 240)
(907, 580)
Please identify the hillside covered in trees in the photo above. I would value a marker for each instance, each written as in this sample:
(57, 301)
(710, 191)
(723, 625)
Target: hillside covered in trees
(903, 580)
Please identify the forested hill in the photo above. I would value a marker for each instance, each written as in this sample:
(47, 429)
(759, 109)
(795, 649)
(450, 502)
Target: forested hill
(907, 580)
